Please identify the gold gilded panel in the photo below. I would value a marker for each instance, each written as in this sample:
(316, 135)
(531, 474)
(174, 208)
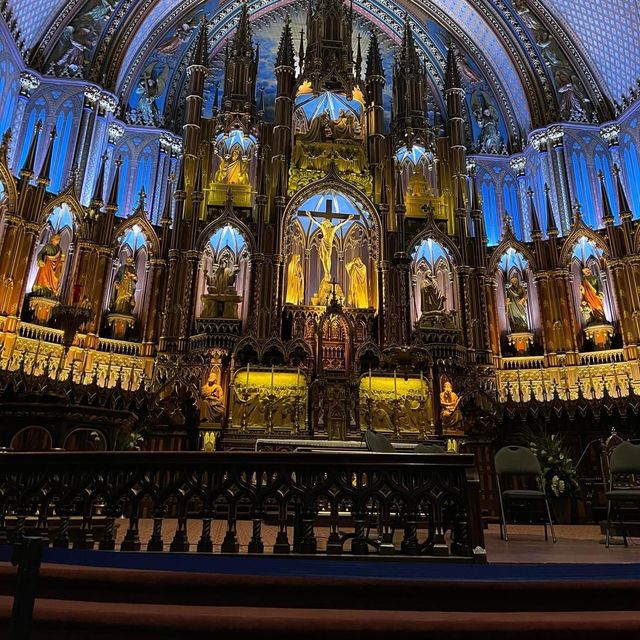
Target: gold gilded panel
(396, 404)
(269, 400)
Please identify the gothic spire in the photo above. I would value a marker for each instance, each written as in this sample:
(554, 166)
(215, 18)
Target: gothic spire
(409, 55)
(97, 198)
(285, 56)
(623, 203)
(112, 200)
(200, 55)
(607, 212)
(27, 169)
(359, 60)
(243, 39)
(301, 49)
(45, 170)
(536, 231)
(374, 59)
(452, 74)
(552, 228)
(168, 200)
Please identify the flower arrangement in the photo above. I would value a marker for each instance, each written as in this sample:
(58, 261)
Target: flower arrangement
(558, 468)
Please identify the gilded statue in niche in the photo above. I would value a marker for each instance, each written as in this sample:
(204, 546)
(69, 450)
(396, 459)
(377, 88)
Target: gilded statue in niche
(325, 248)
(591, 298)
(211, 400)
(295, 281)
(516, 302)
(323, 128)
(50, 265)
(223, 280)
(450, 414)
(431, 298)
(124, 288)
(233, 169)
(358, 296)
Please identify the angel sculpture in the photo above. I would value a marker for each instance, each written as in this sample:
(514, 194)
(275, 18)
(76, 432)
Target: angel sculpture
(150, 88)
(489, 140)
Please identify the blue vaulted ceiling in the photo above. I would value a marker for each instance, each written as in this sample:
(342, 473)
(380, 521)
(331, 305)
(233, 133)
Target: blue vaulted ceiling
(521, 51)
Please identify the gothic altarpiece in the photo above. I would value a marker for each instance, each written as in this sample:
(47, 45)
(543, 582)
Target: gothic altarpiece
(316, 276)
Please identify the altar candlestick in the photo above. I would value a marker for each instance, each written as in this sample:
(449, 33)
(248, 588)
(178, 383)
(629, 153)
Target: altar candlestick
(271, 379)
(395, 383)
(247, 383)
(369, 379)
(298, 379)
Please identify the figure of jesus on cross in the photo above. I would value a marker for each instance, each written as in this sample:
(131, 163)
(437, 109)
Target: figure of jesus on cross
(329, 231)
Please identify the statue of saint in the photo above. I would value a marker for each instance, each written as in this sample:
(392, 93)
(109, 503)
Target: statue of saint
(450, 413)
(224, 278)
(124, 288)
(592, 297)
(233, 169)
(295, 281)
(325, 247)
(358, 295)
(516, 304)
(50, 263)
(417, 185)
(211, 400)
(430, 296)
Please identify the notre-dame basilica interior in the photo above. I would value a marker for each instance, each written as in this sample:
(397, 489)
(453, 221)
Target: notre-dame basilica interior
(300, 220)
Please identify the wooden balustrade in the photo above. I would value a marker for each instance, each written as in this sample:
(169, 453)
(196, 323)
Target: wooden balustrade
(417, 504)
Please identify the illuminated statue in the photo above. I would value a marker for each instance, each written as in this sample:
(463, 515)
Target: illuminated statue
(224, 278)
(50, 262)
(417, 185)
(124, 288)
(430, 297)
(212, 400)
(295, 281)
(516, 304)
(591, 297)
(358, 296)
(325, 247)
(234, 169)
(450, 413)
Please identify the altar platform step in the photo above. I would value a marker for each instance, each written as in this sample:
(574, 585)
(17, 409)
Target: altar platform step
(65, 620)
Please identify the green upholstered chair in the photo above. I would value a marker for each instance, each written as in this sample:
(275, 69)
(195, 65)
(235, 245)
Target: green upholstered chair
(378, 443)
(624, 461)
(429, 448)
(520, 461)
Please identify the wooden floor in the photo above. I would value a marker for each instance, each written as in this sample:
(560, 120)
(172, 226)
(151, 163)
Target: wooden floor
(576, 543)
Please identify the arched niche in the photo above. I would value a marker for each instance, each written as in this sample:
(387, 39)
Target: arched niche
(417, 169)
(430, 259)
(52, 256)
(224, 274)
(330, 243)
(34, 438)
(128, 285)
(327, 116)
(85, 439)
(593, 297)
(517, 302)
(231, 166)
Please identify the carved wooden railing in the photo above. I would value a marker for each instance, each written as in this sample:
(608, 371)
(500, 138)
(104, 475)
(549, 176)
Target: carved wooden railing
(418, 504)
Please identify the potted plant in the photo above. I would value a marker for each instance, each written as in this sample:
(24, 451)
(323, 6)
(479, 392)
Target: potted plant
(558, 470)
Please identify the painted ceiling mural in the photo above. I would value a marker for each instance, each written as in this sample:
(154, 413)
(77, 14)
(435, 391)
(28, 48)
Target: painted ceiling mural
(524, 62)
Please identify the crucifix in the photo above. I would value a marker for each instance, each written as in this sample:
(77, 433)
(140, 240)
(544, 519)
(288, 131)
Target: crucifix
(329, 231)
